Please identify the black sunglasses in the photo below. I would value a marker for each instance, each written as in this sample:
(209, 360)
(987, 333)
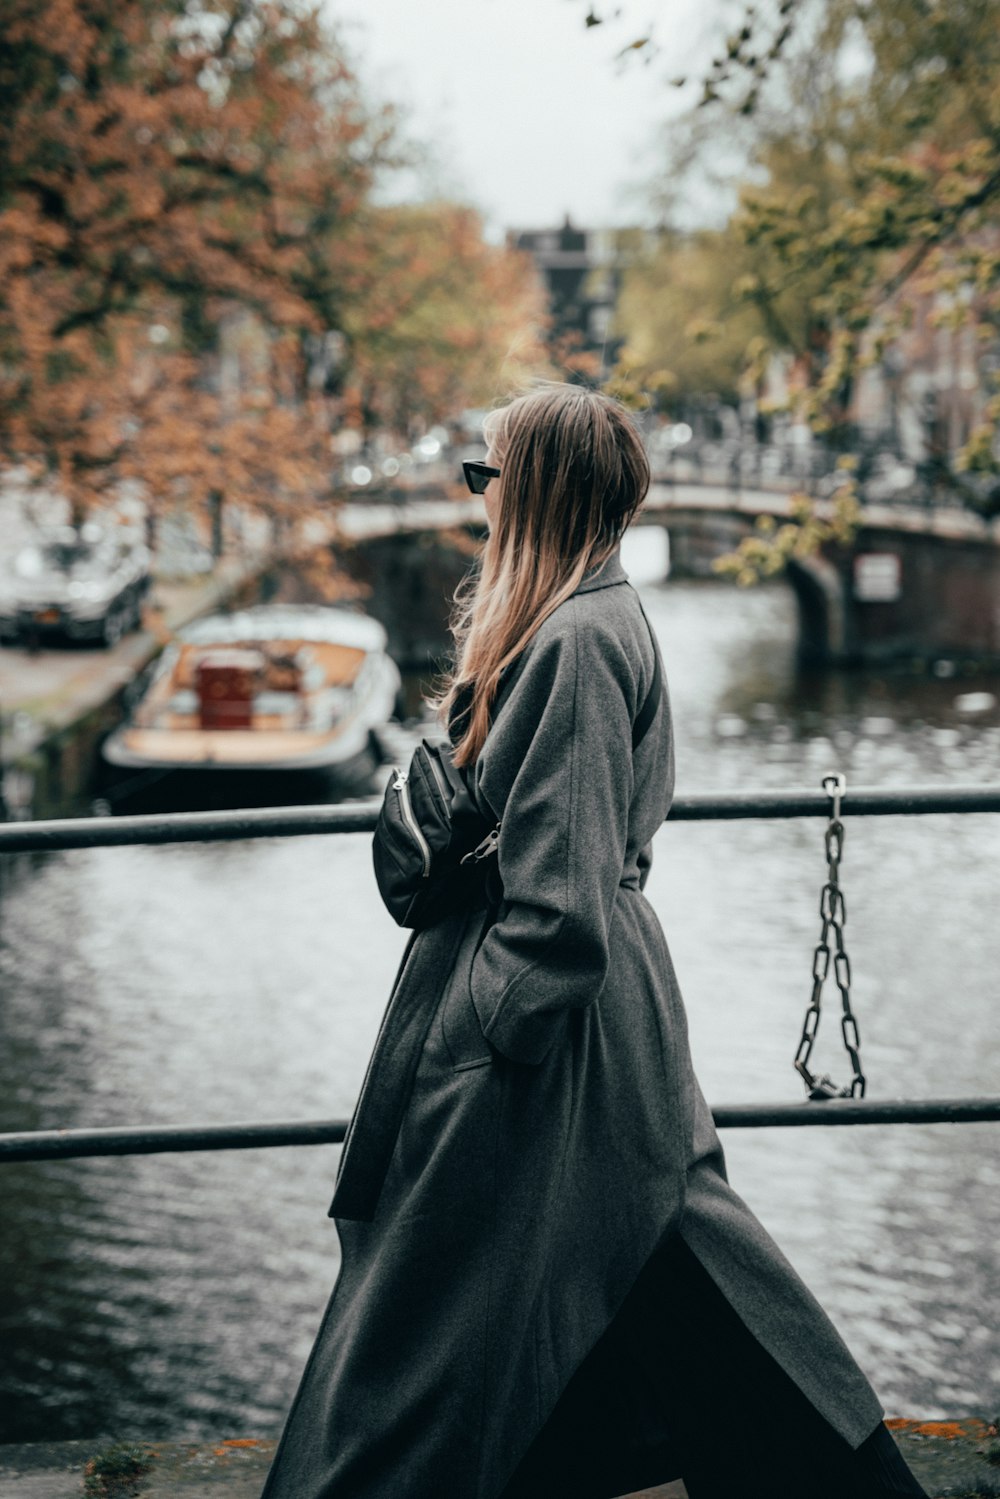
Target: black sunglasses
(478, 475)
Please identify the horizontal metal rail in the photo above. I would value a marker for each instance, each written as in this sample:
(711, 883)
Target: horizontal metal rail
(73, 1144)
(359, 817)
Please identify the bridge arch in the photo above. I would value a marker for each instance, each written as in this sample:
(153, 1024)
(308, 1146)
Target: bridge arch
(819, 597)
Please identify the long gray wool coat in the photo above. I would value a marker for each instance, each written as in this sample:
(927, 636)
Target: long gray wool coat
(530, 1124)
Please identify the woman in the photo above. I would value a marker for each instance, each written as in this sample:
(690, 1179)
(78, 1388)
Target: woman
(548, 1286)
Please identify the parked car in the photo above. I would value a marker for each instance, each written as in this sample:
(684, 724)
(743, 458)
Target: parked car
(83, 583)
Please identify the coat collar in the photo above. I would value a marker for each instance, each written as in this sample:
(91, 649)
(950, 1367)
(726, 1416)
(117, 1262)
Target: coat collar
(605, 575)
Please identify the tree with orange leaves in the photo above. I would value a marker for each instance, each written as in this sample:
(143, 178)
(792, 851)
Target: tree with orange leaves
(440, 319)
(168, 167)
(185, 219)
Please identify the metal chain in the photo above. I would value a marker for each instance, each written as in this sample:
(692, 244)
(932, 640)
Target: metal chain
(833, 911)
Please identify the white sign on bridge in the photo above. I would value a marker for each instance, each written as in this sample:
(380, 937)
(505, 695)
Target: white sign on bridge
(877, 577)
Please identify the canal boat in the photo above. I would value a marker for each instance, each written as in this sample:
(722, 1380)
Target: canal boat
(267, 693)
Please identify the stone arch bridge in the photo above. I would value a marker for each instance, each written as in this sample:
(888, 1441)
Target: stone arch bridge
(914, 586)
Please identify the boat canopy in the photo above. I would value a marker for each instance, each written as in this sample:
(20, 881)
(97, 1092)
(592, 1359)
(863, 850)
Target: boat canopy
(292, 622)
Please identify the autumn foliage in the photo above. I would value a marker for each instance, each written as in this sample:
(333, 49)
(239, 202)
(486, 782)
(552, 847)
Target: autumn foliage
(186, 226)
(439, 318)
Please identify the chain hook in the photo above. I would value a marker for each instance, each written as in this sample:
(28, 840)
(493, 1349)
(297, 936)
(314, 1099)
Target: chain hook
(835, 786)
(833, 912)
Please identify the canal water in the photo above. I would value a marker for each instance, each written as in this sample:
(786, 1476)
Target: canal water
(177, 1296)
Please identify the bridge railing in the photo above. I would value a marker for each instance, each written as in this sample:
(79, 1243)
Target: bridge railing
(359, 817)
(896, 482)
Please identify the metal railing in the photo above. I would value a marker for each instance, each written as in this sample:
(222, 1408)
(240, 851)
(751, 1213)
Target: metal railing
(883, 476)
(359, 817)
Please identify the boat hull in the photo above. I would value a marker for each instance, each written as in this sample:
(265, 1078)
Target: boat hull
(197, 790)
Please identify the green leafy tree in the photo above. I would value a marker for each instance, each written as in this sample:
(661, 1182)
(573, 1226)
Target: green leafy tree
(687, 329)
(912, 147)
(868, 212)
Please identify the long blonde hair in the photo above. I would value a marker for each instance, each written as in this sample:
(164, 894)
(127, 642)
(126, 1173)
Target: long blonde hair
(573, 474)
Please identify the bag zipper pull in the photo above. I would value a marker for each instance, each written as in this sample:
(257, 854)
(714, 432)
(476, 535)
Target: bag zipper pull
(484, 849)
(406, 811)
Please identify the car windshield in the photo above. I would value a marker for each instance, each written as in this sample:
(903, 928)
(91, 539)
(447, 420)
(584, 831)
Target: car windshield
(68, 555)
(80, 557)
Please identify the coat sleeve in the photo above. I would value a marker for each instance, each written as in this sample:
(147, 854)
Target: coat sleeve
(557, 769)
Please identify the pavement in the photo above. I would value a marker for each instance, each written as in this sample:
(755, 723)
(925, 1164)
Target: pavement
(952, 1459)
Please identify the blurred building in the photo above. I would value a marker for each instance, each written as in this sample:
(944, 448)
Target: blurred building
(582, 270)
(922, 392)
(929, 390)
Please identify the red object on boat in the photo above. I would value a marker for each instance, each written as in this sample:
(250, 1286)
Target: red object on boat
(227, 681)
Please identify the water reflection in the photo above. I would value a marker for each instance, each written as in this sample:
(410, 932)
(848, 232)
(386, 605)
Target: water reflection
(178, 1295)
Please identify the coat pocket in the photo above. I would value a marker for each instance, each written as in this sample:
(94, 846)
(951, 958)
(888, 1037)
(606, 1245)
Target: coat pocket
(463, 1036)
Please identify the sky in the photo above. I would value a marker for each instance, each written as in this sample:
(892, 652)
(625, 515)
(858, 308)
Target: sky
(527, 114)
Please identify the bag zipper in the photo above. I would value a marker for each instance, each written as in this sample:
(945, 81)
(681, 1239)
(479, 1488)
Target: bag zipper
(439, 778)
(406, 810)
